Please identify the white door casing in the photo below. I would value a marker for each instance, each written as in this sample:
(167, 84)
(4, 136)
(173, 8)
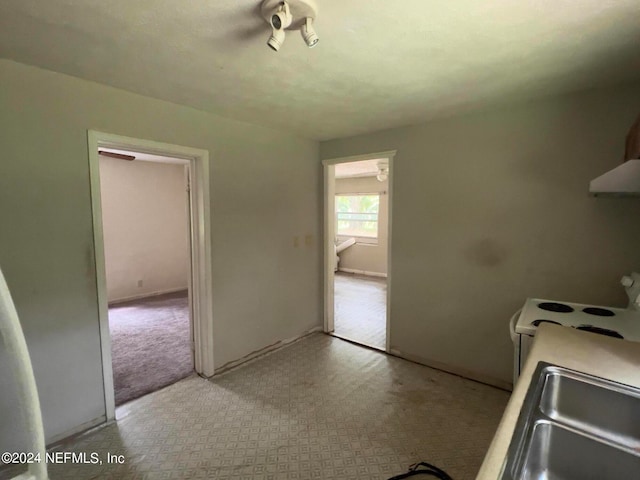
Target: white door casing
(200, 281)
(330, 234)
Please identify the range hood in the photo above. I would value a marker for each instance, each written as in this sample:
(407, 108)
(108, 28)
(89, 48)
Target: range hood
(624, 180)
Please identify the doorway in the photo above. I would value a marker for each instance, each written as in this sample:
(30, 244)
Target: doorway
(145, 225)
(154, 304)
(358, 199)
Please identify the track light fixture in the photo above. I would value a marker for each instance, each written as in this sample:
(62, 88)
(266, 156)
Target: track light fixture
(280, 20)
(290, 15)
(309, 33)
(276, 39)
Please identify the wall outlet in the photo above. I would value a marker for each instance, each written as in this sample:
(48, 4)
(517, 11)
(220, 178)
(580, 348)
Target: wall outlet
(139, 283)
(308, 240)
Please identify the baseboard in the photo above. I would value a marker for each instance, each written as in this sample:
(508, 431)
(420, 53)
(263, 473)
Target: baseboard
(146, 295)
(362, 272)
(461, 372)
(75, 432)
(263, 351)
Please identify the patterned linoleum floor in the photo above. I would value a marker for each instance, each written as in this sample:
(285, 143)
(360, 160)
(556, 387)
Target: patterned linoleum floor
(361, 309)
(320, 408)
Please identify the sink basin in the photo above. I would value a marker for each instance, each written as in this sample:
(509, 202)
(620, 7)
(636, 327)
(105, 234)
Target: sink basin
(575, 426)
(560, 453)
(604, 408)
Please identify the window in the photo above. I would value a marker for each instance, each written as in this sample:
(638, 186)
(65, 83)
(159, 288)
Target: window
(357, 215)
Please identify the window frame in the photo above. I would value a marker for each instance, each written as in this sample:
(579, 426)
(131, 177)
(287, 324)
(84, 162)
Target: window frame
(360, 239)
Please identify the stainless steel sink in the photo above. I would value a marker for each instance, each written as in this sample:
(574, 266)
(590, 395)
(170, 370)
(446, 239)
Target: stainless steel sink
(575, 426)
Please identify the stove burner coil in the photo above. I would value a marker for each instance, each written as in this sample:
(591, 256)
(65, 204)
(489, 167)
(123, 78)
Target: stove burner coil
(555, 307)
(601, 331)
(601, 312)
(537, 323)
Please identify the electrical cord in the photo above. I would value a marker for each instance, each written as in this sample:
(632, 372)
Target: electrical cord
(423, 468)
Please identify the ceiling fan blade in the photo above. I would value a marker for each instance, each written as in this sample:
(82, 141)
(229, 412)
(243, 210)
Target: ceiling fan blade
(120, 156)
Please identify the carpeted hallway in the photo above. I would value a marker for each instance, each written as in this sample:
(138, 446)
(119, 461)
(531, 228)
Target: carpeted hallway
(320, 408)
(150, 344)
(361, 309)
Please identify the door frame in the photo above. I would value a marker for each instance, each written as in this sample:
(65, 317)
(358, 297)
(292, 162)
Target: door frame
(329, 234)
(197, 162)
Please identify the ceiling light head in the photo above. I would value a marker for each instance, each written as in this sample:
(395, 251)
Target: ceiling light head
(276, 39)
(290, 15)
(281, 18)
(309, 33)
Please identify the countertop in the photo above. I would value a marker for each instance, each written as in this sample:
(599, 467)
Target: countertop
(598, 355)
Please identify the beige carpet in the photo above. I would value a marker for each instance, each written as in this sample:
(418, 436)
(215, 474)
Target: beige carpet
(321, 408)
(361, 309)
(150, 344)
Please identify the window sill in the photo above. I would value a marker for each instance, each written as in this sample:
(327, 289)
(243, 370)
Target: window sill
(372, 242)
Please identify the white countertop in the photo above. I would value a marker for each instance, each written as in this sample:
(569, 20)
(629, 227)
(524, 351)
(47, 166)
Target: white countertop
(599, 355)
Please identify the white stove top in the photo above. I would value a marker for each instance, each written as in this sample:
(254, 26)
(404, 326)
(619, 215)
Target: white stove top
(620, 321)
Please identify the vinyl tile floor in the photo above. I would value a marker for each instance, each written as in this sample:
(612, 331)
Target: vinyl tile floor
(320, 408)
(361, 309)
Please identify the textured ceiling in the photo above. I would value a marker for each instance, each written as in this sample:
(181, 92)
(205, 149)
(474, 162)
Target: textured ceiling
(379, 63)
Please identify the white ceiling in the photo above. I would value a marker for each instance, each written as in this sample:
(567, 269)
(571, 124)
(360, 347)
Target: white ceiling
(379, 63)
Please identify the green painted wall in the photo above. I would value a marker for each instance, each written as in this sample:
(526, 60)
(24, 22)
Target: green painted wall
(265, 189)
(492, 208)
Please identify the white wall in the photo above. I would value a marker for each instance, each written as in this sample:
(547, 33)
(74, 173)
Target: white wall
(492, 208)
(265, 185)
(367, 257)
(144, 216)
